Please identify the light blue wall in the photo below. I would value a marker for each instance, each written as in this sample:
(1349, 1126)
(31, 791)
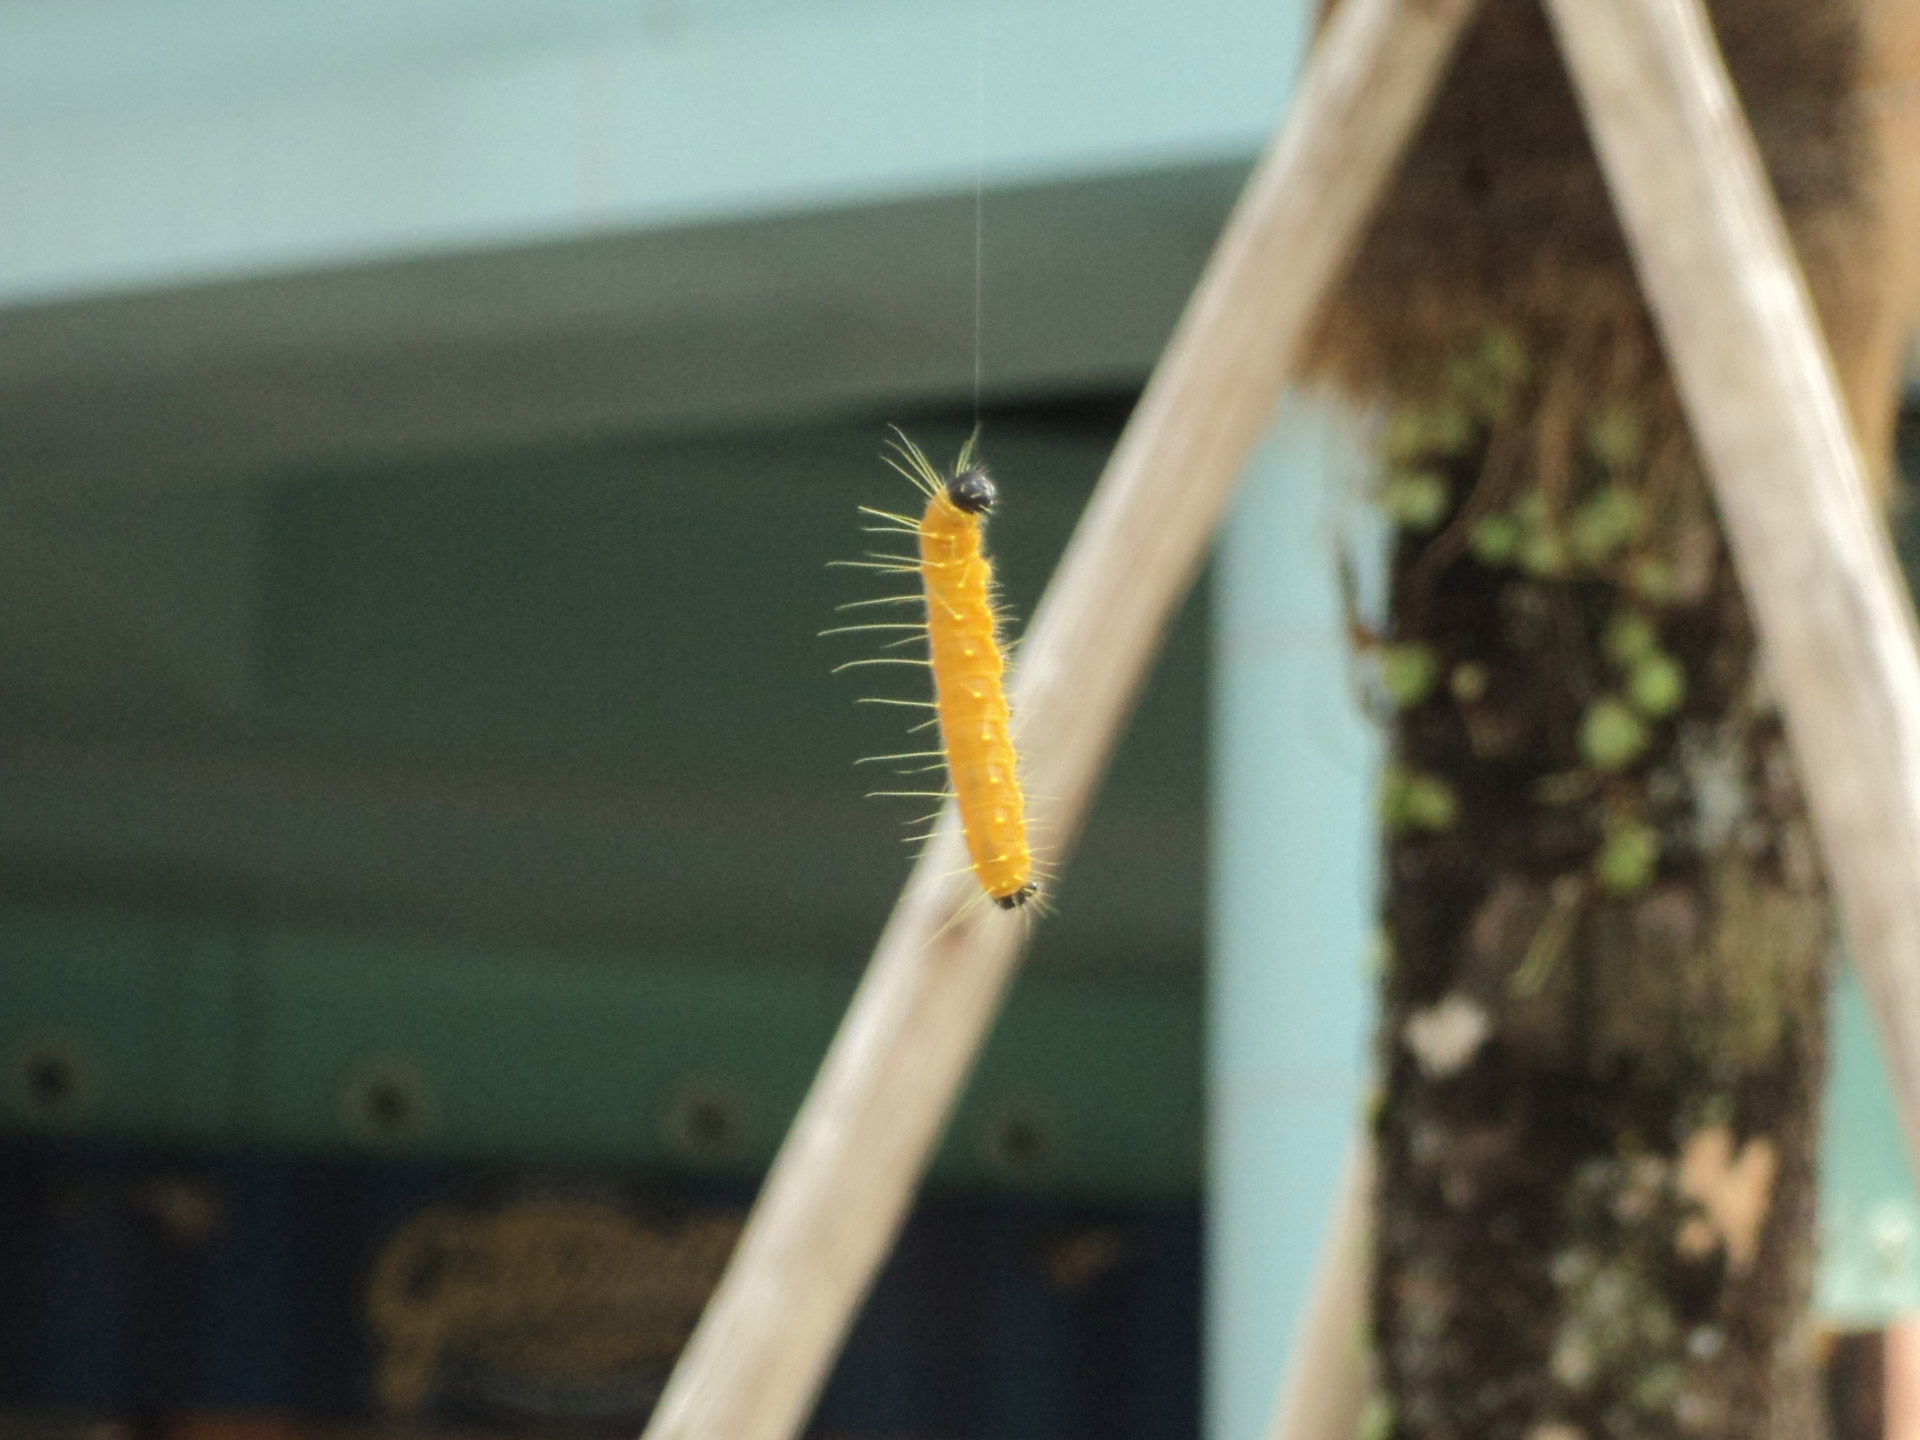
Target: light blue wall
(1869, 1205)
(1292, 908)
(144, 145)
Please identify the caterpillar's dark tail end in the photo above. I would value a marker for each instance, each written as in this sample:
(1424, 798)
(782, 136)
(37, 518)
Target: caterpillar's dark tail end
(1019, 897)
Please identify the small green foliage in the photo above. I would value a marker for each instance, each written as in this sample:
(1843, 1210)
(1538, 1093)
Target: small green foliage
(1610, 520)
(1416, 500)
(1543, 554)
(1377, 1419)
(1484, 379)
(1379, 953)
(1412, 801)
(1393, 798)
(1468, 682)
(1657, 685)
(1415, 434)
(1431, 803)
(1614, 437)
(1405, 440)
(1504, 358)
(1495, 540)
(1531, 509)
(1630, 638)
(1408, 673)
(1542, 548)
(1652, 580)
(1612, 736)
(1627, 858)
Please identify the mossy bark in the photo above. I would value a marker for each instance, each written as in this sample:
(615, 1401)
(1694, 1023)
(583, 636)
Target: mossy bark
(1607, 938)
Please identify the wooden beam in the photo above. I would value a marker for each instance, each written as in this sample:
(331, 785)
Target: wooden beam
(1766, 412)
(846, 1174)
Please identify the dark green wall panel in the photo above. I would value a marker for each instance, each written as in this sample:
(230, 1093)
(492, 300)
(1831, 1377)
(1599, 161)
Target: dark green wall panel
(315, 1044)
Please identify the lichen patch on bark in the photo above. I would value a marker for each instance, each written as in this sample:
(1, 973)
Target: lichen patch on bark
(1733, 1192)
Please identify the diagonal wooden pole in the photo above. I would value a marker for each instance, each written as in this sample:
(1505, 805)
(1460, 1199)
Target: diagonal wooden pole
(1766, 412)
(847, 1171)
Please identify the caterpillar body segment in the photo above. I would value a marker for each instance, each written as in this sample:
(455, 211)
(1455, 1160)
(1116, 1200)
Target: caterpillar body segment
(967, 660)
(968, 672)
(969, 666)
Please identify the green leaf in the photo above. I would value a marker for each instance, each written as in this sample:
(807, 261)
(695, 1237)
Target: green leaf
(1657, 685)
(1630, 638)
(1411, 801)
(1468, 682)
(1415, 434)
(1628, 857)
(1610, 520)
(1408, 673)
(1614, 437)
(1612, 736)
(1543, 553)
(1495, 540)
(1417, 500)
(1652, 580)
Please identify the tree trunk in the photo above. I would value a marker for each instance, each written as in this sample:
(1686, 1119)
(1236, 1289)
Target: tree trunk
(1605, 928)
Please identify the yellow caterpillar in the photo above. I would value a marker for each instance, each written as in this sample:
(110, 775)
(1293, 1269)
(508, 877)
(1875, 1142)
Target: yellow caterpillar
(964, 652)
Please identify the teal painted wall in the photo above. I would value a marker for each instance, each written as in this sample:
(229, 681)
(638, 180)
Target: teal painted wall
(142, 1031)
(1291, 912)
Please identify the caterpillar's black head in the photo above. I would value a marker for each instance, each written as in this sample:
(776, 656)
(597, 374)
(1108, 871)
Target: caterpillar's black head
(972, 491)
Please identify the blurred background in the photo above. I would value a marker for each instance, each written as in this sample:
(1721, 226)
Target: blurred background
(431, 858)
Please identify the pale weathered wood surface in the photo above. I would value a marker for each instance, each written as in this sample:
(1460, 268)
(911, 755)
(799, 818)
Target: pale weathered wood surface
(1760, 395)
(842, 1181)
(1323, 1390)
